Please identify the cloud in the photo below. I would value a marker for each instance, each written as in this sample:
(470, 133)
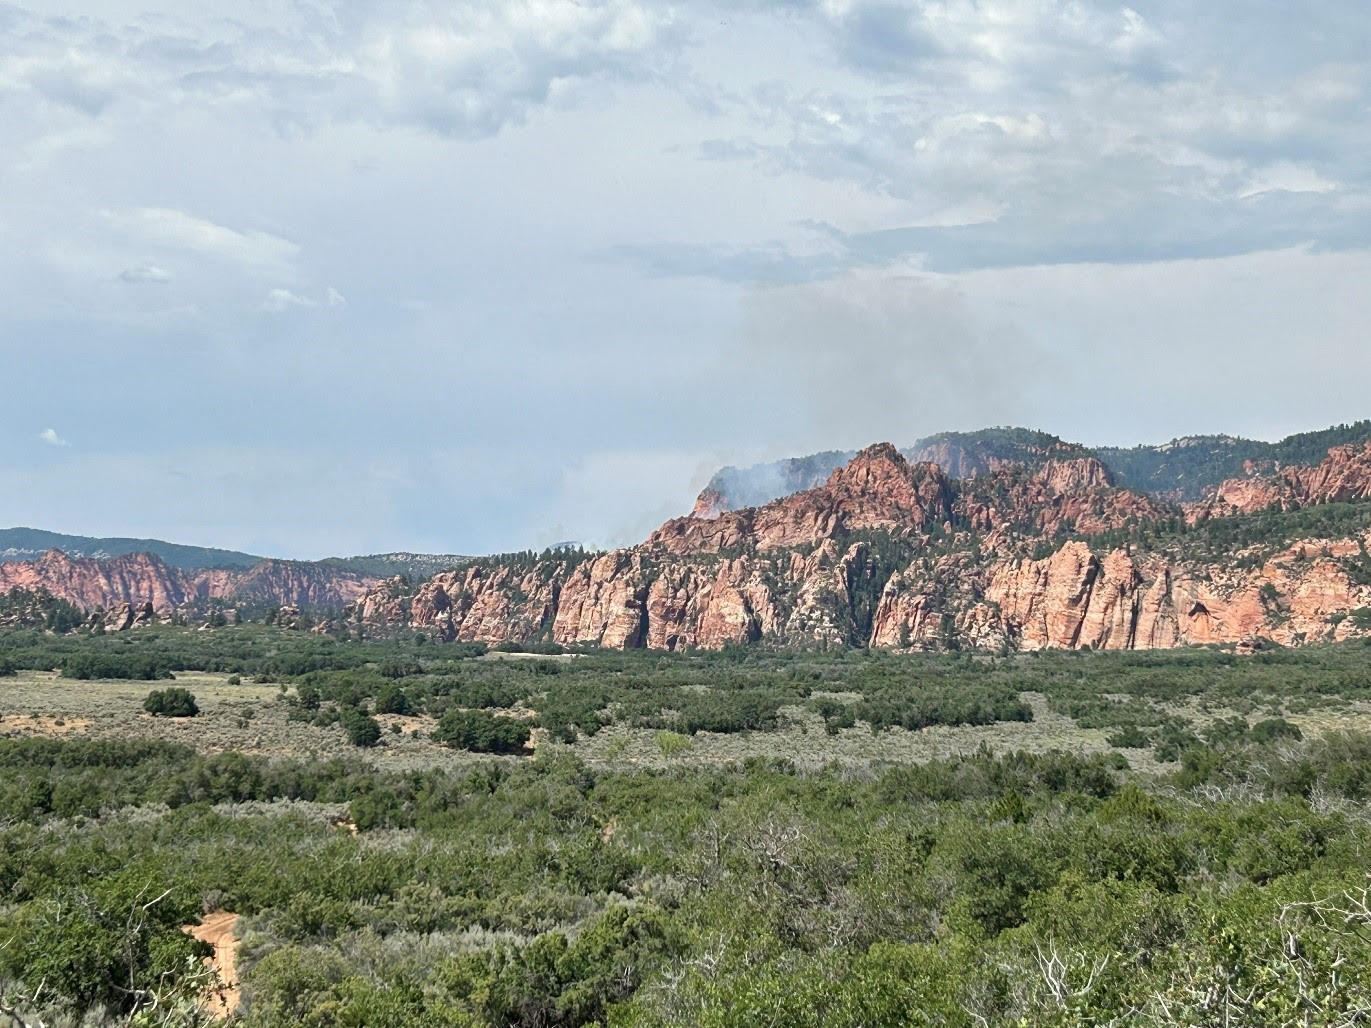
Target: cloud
(822, 223)
(279, 300)
(50, 436)
(467, 70)
(178, 230)
(458, 70)
(1052, 131)
(1103, 353)
(145, 273)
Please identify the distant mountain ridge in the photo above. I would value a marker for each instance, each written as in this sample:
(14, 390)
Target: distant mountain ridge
(1034, 542)
(1181, 470)
(30, 544)
(411, 565)
(1046, 550)
(1185, 468)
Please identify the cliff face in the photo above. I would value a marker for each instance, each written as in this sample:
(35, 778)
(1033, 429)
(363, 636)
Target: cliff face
(895, 554)
(1344, 475)
(959, 455)
(1048, 552)
(91, 583)
(140, 580)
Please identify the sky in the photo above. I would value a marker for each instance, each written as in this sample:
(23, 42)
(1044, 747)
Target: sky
(311, 278)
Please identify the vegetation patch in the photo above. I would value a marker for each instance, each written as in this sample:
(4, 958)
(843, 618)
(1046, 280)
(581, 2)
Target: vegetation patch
(742, 837)
(172, 702)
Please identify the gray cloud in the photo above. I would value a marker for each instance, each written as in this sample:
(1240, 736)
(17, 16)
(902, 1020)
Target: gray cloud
(463, 70)
(592, 250)
(888, 356)
(145, 273)
(1014, 132)
(1101, 353)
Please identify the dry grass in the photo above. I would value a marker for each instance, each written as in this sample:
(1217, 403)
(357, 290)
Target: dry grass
(249, 718)
(804, 741)
(252, 718)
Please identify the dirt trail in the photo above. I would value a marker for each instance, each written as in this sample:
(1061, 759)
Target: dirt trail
(218, 930)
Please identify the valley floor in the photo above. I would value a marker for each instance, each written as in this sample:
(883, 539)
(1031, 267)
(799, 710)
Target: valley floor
(721, 839)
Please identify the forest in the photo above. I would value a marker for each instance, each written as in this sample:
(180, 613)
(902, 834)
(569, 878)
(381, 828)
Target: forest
(734, 838)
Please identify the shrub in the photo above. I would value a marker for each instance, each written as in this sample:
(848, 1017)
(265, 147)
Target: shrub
(481, 732)
(1129, 737)
(1275, 728)
(672, 743)
(172, 702)
(391, 699)
(85, 666)
(362, 729)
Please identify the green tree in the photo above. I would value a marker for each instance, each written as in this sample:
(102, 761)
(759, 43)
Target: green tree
(481, 732)
(362, 729)
(172, 702)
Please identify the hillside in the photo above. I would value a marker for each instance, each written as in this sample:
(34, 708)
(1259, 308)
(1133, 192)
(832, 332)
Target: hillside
(1185, 468)
(1180, 470)
(1053, 552)
(31, 543)
(1035, 543)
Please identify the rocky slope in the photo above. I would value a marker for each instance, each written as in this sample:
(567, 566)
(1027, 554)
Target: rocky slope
(1343, 476)
(958, 454)
(1048, 550)
(1184, 469)
(144, 581)
(897, 554)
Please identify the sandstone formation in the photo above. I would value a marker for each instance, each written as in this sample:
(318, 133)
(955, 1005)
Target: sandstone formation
(136, 588)
(897, 554)
(1345, 475)
(1035, 545)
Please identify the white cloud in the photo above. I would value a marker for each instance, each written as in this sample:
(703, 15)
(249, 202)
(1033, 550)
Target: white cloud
(50, 436)
(460, 70)
(1068, 119)
(1289, 177)
(177, 230)
(454, 171)
(468, 69)
(279, 300)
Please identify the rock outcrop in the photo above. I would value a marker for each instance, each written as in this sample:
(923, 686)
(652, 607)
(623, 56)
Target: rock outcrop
(1043, 551)
(896, 554)
(1345, 475)
(135, 589)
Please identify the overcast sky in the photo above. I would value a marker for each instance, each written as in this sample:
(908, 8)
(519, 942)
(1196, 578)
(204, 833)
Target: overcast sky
(306, 278)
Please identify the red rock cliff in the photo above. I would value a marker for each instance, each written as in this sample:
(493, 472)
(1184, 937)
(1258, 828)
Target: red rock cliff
(890, 553)
(140, 579)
